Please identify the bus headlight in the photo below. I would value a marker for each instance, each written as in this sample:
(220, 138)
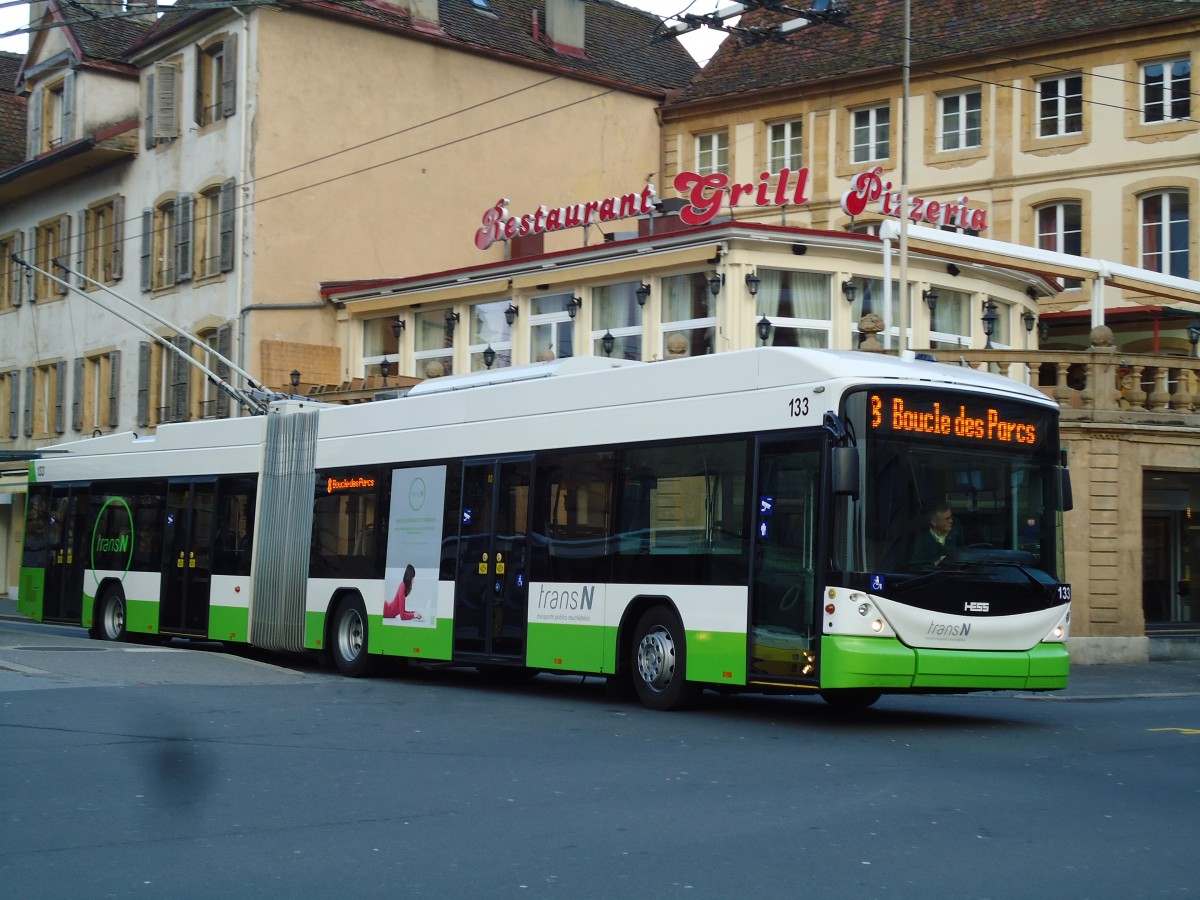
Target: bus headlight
(877, 626)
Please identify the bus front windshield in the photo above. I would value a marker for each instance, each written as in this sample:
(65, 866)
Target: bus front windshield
(952, 480)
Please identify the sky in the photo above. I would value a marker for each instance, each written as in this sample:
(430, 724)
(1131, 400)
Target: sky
(14, 15)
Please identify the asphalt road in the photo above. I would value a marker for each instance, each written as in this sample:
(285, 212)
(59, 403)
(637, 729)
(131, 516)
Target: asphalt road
(134, 771)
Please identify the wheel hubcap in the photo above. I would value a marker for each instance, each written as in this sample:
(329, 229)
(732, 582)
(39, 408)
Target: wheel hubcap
(350, 635)
(114, 619)
(656, 658)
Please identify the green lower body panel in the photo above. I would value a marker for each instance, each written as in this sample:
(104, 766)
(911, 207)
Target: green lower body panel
(716, 657)
(416, 642)
(141, 616)
(32, 589)
(571, 648)
(886, 664)
(229, 623)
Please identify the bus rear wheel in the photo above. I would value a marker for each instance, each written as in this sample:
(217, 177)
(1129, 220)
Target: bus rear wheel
(108, 622)
(660, 661)
(349, 639)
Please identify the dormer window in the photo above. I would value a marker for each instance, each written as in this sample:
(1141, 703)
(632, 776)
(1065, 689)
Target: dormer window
(51, 115)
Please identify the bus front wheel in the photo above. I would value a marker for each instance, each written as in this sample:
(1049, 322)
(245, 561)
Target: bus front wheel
(108, 623)
(660, 661)
(349, 643)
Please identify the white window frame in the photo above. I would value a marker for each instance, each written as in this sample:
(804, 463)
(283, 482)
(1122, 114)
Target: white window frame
(1060, 103)
(1174, 202)
(1174, 79)
(785, 145)
(954, 131)
(1059, 239)
(875, 124)
(712, 153)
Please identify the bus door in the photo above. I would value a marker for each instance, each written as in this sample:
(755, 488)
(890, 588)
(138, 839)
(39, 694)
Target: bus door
(491, 593)
(784, 574)
(66, 557)
(187, 557)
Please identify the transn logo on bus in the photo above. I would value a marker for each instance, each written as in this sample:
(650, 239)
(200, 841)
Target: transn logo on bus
(975, 606)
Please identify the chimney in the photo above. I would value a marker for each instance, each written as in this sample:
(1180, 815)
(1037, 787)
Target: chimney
(564, 26)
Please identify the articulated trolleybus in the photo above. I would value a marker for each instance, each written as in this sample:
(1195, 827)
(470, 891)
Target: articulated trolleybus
(756, 520)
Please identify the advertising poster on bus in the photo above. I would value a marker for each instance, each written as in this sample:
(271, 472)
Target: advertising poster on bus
(414, 547)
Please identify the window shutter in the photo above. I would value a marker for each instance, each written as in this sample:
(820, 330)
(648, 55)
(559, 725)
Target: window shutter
(147, 247)
(224, 340)
(60, 396)
(181, 371)
(81, 246)
(14, 402)
(28, 411)
(118, 238)
(166, 110)
(227, 203)
(183, 237)
(68, 108)
(114, 388)
(17, 272)
(62, 254)
(31, 280)
(198, 93)
(35, 123)
(145, 357)
(149, 138)
(77, 397)
(229, 78)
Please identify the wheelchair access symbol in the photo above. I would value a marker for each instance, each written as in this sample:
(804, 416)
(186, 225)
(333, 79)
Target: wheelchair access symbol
(877, 583)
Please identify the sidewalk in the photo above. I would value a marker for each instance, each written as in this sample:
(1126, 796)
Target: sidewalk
(1094, 682)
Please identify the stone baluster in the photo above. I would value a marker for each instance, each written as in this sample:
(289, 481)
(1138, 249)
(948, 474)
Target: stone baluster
(1135, 394)
(1160, 397)
(1062, 393)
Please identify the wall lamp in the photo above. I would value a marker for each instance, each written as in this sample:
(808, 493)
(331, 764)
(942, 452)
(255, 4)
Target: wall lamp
(385, 369)
(295, 380)
(764, 329)
(1043, 330)
(573, 306)
(607, 343)
(989, 322)
(931, 298)
(848, 289)
(451, 320)
(397, 327)
(715, 280)
(1029, 319)
(752, 283)
(489, 356)
(643, 293)
(1194, 335)
(510, 314)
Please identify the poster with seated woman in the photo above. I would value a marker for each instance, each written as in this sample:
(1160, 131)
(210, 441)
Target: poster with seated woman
(414, 542)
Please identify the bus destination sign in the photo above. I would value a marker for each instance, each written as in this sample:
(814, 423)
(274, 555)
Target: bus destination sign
(951, 417)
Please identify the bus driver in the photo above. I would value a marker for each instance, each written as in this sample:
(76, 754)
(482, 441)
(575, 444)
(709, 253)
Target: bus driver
(939, 540)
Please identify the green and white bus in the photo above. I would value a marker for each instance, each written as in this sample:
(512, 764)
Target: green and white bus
(740, 521)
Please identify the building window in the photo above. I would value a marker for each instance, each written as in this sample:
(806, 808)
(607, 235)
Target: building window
(10, 273)
(162, 103)
(871, 134)
(216, 83)
(797, 304)
(960, 120)
(712, 153)
(433, 344)
(1166, 91)
(1060, 106)
(96, 387)
(103, 240)
(950, 322)
(167, 243)
(689, 320)
(617, 316)
(551, 327)
(51, 243)
(1060, 229)
(1164, 232)
(208, 231)
(784, 146)
(489, 329)
(46, 395)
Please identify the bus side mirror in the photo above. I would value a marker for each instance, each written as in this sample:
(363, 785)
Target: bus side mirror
(1064, 485)
(845, 471)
